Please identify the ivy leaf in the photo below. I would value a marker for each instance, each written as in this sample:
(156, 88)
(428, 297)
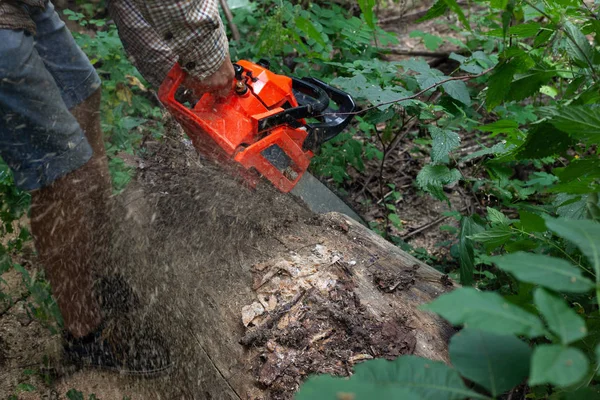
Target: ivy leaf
(551, 272)
(486, 311)
(561, 318)
(496, 362)
(584, 234)
(458, 91)
(432, 178)
(577, 45)
(444, 141)
(406, 377)
(557, 365)
(581, 122)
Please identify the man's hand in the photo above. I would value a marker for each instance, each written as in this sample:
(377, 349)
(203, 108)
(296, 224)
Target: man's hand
(220, 83)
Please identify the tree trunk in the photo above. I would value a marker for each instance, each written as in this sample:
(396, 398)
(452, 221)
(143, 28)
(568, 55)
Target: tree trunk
(317, 294)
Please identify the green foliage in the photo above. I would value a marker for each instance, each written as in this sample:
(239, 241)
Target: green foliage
(495, 362)
(407, 377)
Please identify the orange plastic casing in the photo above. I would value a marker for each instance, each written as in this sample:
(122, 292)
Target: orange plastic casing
(226, 130)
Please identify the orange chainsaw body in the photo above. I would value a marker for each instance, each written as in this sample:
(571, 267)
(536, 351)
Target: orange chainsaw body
(236, 129)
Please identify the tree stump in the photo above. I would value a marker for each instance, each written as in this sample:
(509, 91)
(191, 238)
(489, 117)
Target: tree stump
(253, 293)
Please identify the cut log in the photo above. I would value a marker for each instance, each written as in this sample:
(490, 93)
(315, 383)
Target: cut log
(253, 293)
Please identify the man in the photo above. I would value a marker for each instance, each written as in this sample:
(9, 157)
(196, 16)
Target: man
(50, 136)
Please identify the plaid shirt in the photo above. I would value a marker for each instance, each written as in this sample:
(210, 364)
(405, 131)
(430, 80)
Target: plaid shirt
(158, 33)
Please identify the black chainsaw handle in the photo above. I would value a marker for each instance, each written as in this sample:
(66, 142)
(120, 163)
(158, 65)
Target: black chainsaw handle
(332, 121)
(291, 116)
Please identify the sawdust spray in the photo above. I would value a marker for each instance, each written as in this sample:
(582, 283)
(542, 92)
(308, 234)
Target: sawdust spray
(179, 229)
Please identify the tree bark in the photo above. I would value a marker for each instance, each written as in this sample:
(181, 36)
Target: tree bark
(317, 294)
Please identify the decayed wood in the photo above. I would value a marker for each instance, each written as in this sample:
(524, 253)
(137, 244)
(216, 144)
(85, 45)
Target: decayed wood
(318, 294)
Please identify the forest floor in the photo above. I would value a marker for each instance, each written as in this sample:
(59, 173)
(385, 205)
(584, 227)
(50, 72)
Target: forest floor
(26, 346)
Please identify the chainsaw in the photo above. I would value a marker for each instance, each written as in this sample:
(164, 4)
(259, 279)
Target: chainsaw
(268, 126)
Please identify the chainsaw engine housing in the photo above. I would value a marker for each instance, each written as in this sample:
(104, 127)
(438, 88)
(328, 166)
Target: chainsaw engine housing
(262, 124)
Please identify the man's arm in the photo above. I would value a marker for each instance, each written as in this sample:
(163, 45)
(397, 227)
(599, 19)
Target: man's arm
(193, 30)
(157, 33)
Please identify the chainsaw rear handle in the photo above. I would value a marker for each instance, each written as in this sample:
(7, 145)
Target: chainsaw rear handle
(314, 97)
(333, 121)
(318, 103)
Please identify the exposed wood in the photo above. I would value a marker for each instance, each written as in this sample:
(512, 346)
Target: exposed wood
(323, 293)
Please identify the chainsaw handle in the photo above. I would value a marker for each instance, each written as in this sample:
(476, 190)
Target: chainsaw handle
(333, 121)
(291, 116)
(167, 92)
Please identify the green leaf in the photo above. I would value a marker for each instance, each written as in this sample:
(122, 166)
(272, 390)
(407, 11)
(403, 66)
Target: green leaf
(25, 387)
(584, 234)
(525, 30)
(432, 178)
(496, 217)
(498, 86)
(505, 126)
(493, 237)
(458, 91)
(453, 6)
(577, 45)
(324, 387)
(486, 311)
(407, 377)
(528, 84)
(496, 362)
(597, 351)
(438, 9)
(551, 272)
(543, 140)
(557, 365)
(583, 393)
(74, 394)
(561, 318)
(360, 88)
(531, 222)
(466, 253)
(395, 219)
(366, 7)
(444, 141)
(306, 26)
(499, 4)
(581, 122)
(578, 168)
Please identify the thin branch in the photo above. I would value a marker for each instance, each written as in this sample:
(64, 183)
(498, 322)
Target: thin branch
(417, 53)
(414, 96)
(235, 33)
